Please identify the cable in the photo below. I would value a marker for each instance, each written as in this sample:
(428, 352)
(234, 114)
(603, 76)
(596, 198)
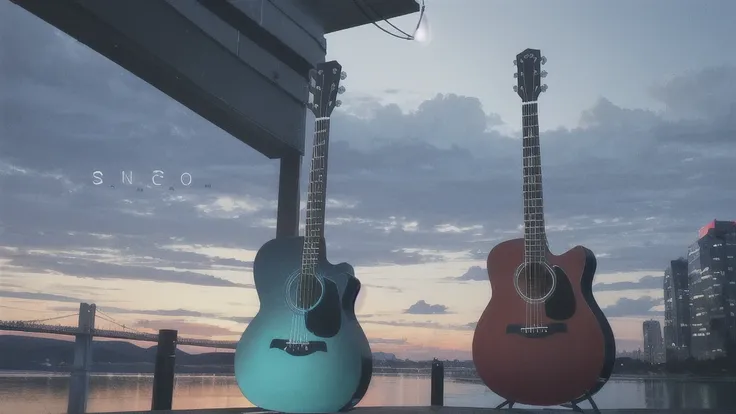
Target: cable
(376, 16)
(105, 317)
(50, 319)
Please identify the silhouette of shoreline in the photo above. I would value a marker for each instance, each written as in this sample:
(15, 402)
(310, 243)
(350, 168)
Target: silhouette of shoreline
(44, 355)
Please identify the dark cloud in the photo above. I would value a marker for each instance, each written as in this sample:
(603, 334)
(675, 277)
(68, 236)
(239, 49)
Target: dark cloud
(420, 324)
(391, 341)
(474, 273)
(395, 289)
(176, 313)
(39, 296)
(707, 94)
(424, 308)
(94, 269)
(627, 183)
(646, 282)
(185, 328)
(633, 307)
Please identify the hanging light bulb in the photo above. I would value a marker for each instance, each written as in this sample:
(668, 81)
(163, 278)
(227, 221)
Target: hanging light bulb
(422, 33)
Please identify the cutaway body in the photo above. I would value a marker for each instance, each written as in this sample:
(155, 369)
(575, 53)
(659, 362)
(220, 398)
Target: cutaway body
(570, 356)
(333, 371)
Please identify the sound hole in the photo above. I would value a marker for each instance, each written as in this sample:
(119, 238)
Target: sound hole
(535, 282)
(304, 292)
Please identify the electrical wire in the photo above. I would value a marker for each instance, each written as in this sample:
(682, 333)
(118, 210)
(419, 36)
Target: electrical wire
(376, 16)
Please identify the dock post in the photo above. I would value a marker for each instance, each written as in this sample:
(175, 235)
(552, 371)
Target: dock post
(163, 374)
(79, 378)
(287, 215)
(437, 395)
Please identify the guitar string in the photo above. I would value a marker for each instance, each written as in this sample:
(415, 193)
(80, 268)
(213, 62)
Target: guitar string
(538, 207)
(312, 242)
(527, 230)
(535, 142)
(296, 334)
(313, 216)
(533, 208)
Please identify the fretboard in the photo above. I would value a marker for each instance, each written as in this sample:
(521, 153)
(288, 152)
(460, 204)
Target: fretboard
(316, 193)
(535, 239)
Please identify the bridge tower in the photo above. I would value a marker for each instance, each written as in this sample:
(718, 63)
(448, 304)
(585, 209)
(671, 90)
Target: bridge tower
(79, 381)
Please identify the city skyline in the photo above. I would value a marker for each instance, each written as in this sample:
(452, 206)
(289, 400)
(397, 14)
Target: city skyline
(424, 174)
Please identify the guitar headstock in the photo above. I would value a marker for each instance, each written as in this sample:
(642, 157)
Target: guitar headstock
(529, 75)
(324, 86)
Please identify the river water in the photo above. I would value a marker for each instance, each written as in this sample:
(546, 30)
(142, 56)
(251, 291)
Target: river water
(40, 393)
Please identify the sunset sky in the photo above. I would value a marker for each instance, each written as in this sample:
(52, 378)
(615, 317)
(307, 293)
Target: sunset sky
(638, 148)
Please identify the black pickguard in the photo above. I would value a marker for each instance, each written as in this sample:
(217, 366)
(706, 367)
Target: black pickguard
(561, 305)
(350, 296)
(324, 320)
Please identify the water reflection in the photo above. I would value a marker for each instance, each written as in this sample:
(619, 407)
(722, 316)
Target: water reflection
(44, 394)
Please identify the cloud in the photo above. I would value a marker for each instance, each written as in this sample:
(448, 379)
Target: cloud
(633, 307)
(391, 341)
(646, 282)
(474, 273)
(185, 328)
(38, 296)
(405, 187)
(176, 313)
(596, 180)
(94, 269)
(395, 289)
(424, 308)
(422, 324)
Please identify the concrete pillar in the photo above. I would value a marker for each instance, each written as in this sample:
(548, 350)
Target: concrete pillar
(163, 374)
(287, 218)
(79, 380)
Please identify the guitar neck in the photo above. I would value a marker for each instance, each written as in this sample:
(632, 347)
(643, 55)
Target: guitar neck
(316, 191)
(535, 239)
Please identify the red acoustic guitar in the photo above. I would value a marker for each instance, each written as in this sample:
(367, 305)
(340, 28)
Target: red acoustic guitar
(542, 340)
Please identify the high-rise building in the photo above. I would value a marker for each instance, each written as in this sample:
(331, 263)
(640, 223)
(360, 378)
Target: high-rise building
(676, 310)
(653, 344)
(712, 281)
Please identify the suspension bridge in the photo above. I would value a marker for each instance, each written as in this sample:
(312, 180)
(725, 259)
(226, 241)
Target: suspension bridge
(91, 314)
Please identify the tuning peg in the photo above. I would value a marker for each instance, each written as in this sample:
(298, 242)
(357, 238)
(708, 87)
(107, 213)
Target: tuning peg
(544, 59)
(544, 88)
(514, 62)
(338, 102)
(341, 89)
(516, 75)
(343, 75)
(543, 74)
(516, 88)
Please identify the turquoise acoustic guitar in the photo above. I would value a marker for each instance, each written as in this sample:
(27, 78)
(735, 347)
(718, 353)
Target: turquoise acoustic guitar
(305, 352)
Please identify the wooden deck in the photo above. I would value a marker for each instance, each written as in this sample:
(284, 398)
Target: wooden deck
(439, 410)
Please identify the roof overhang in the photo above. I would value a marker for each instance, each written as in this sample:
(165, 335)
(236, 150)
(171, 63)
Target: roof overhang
(336, 15)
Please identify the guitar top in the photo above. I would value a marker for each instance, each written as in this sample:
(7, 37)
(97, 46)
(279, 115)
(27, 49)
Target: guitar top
(304, 351)
(542, 339)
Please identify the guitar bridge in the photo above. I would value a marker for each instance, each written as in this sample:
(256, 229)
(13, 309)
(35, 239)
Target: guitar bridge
(299, 348)
(537, 331)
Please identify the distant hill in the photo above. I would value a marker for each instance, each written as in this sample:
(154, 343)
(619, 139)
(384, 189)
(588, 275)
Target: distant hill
(26, 353)
(42, 354)
(383, 356)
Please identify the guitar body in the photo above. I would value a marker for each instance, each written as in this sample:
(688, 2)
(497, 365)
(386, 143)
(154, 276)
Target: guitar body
(333, 374)
(560, 366)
